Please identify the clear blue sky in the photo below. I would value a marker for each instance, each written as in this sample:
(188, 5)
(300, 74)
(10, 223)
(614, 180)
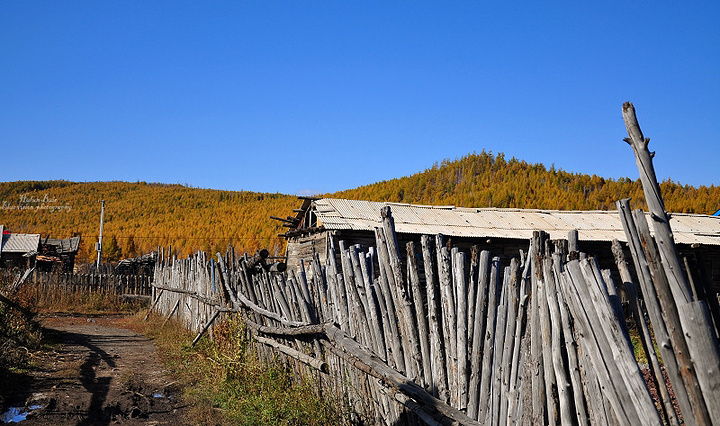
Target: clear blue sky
(309, 96)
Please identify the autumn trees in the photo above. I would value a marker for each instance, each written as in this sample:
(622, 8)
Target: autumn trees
(142, 216)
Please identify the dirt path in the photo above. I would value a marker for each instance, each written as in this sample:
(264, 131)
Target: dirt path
(98, 374)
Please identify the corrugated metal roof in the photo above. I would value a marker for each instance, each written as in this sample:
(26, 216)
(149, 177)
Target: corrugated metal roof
(20, 243)
(338, 214)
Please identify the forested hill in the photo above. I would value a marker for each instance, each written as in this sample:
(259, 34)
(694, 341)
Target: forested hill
(486, 180)
(142, 216)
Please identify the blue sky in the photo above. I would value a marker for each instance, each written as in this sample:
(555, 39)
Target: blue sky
(305, 97)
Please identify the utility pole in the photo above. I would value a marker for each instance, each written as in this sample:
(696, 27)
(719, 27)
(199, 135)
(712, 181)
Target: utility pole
(98, 246)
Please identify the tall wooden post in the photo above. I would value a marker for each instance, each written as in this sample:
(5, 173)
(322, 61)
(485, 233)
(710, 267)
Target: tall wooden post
(99, 244)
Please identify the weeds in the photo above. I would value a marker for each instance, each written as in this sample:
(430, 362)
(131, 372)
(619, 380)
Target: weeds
(226, 383)
(20, 336)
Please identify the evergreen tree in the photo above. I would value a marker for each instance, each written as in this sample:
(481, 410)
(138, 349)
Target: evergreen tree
(111, 250)
(130, 249)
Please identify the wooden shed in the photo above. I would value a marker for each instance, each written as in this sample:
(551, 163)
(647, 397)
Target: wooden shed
(320, 222)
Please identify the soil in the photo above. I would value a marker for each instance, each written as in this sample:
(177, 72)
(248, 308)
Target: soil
(96, 373)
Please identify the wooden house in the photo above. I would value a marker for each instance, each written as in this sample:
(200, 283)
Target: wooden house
(32, 250)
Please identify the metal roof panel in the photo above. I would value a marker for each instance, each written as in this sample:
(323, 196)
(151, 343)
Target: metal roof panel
(20, 243)
(503, 223)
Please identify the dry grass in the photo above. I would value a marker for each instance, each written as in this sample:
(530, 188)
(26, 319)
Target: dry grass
(227, 384)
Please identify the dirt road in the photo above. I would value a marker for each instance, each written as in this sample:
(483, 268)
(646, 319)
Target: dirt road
(97, 373)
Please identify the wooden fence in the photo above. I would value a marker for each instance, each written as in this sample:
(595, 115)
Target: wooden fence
(51, 287)
(433, 333)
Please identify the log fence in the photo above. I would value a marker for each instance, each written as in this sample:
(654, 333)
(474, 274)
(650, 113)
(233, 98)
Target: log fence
(434, 334)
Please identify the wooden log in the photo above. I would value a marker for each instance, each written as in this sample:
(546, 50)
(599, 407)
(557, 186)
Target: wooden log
(571, 347)
(157, 299)
(420, 315)
(472, 291)
(514, 394)
(593, 341)
(668, 412)
(509, 339)
(622, 349)
(564, 388)
(172, 311)
(573, 247)
(672, 322)
(375, 318)
(367, 362)
(703, 348)
(661, 222)
(349, 282)
(545, 333)
(461, 327)
(408, 326)
(498, 345)
(391, 299)
(449, 321)
(358, 313)
(487, 361)
(323, 307)
(539, 404)
(476, 354)
(434, 323)
(361, 291)
(205, 327)
(315, 363)
(268, 314)
(654, 309)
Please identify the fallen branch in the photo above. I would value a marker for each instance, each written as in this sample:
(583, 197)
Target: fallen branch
(305, 359)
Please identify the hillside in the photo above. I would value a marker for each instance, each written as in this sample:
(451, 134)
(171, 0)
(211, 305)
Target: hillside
(145, 215)
(142, 216)
(487, 180)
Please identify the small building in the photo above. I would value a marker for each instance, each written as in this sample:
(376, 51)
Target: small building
(18, 250)
(504, 232)
(62, 252)
(32, 250)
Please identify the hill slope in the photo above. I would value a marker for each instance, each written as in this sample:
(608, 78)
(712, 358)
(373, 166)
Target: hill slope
(146, 215)
(143, 216)
(486, 180)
